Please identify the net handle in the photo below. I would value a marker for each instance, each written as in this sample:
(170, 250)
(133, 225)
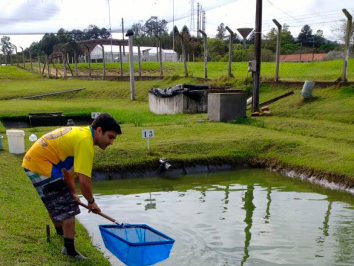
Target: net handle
(99, 213)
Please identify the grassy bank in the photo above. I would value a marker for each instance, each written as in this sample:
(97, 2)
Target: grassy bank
(313, 135)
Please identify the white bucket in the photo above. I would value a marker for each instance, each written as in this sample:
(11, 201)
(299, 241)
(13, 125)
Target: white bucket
(16, 141)
(306, 91)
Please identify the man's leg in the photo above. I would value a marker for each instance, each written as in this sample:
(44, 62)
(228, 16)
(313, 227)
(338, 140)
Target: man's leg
(62, 208)
(69, 228)
(69, 234)
(58, 226)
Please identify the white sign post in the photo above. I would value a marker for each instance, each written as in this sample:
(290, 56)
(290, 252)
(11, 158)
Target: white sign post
(147, 134)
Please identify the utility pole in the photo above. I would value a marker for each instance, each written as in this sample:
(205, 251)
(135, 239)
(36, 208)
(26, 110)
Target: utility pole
(123, 35)
(198, 21)
(192, 16)
(203, 26)
(277, 60)
(347, 43)
(257, 52)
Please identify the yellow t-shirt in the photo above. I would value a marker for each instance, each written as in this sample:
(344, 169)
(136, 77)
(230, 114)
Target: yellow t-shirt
(69, 148)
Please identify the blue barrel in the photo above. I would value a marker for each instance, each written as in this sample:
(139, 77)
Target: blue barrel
(307, 89)
(1, 137)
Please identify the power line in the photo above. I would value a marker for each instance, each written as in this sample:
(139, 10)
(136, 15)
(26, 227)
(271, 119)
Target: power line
(282, 10)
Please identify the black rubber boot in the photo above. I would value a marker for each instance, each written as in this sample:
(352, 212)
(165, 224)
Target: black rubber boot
(69, 250)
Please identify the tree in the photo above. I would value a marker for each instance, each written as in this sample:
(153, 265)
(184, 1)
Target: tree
(94, 33)
(47, 43)
(138, 28)
(155, 26)
(77, 35)
(217, 48)
(305, 36)
(221, 31)
(270, 40)
(6, 47)
(318, 38)
(288, 45)
(63, 36)
(236, 38)
(33, 49)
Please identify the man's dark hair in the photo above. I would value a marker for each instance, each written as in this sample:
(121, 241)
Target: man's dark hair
(107, 123)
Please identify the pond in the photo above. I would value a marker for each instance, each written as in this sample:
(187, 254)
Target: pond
(239, 217)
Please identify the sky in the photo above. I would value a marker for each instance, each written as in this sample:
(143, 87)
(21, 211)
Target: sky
(25, 21)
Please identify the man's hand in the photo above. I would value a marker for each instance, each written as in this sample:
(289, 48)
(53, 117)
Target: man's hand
(76, 197)
(93, 207)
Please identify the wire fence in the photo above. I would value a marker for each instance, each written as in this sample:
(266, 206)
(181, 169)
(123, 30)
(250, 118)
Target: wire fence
(299, 66)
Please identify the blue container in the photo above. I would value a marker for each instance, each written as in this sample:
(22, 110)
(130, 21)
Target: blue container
(136, 244)
(1, 137)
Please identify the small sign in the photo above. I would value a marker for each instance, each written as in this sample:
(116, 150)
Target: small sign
(95, 114)
(147, 134)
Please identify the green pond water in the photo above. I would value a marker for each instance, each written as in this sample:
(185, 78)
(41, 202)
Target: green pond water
(240, 217)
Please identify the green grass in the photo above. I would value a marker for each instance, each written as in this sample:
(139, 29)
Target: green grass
(316, 71)
(315, 134)
(14, 73)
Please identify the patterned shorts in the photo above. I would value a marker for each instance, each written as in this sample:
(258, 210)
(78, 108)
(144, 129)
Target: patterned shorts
(55, 195)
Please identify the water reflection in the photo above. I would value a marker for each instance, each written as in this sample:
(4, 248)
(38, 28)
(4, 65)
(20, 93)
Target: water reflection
(151, 205)
(249, 207)
(247, 217)
(269, 200)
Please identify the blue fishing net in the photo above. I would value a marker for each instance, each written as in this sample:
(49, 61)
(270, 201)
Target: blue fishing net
(136, 244)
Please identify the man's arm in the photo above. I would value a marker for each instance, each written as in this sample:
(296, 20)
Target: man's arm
(71, 184)
(86, 190)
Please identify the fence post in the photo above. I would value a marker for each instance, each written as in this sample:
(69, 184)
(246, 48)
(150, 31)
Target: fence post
(230, 50)
(121, 60)
(183, 54)
(139, 60)
(103, 62)
(347, 42)
(205, 53)
(75, 60)
(16, 54)
(47, 62)
(88, 59)
(23, 57)
(160, 54)
(64, 63)
(39, 61)
(30, 55)
(130, 35)
(277, 60)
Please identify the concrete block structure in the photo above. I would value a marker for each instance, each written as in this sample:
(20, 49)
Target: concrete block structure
(223, 107)
(178, 104)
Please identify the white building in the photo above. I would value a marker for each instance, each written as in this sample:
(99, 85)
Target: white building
(111, 54)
